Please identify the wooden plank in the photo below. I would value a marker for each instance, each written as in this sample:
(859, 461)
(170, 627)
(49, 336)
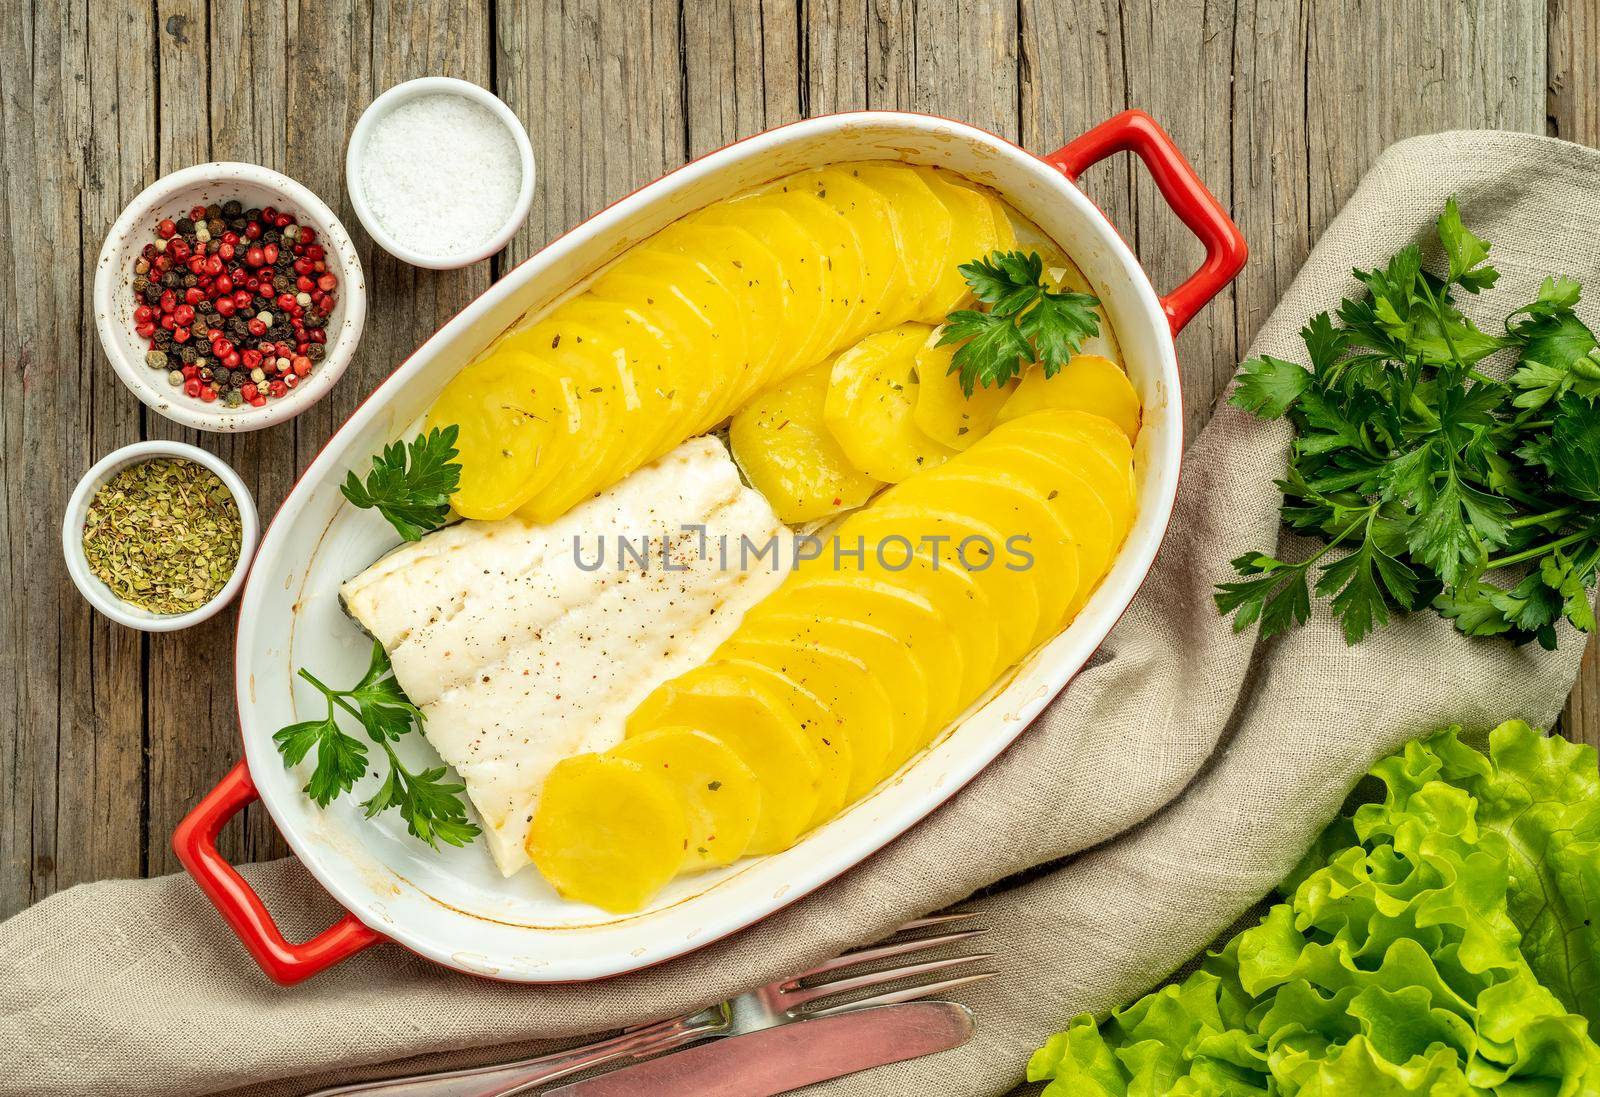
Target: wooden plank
(1573, 113)
(600, 88)
(77, 121)
(741, 65)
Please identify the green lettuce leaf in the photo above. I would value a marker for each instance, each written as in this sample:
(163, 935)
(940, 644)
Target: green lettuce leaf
(1439, 938)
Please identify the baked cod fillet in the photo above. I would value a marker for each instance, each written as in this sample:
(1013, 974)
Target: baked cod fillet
(525, 644)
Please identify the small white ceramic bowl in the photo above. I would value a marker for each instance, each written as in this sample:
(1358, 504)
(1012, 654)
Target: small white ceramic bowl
(100, 595)
(355, 158)
(173, 196)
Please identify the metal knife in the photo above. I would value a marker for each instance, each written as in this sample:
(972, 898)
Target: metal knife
(785, 1057)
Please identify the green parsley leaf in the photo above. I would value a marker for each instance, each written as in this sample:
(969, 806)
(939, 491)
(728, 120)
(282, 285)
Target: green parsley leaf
(411, 485)
(433, 810)
(1434, 476)
(1026, 321)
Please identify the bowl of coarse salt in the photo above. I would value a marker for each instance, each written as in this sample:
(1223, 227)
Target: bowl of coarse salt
(440, 172)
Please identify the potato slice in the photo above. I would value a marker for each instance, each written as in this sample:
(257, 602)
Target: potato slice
(845, 305)
(872, 394)
(731, 705)
(883, 273)
(840, 680)
(943, 582)
(945, 412)
(904, 613)
(1075, 499)
(977, 547)
(885, 655)
(748, 270)
(1095, 447)
(645, 358)
(980, 227)
(788, 454)
(1009, 504)
(608, 832)
(517, 423)
(719, 791)
(820, 724)
(923, 223)
(1087, 382)
(802, 339)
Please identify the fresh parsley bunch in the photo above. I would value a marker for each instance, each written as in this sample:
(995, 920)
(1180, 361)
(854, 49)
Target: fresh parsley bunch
(1026, 321)
(1437, 484)
(433, 809)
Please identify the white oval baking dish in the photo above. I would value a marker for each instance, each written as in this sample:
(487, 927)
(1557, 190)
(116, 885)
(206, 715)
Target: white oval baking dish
(452, 906)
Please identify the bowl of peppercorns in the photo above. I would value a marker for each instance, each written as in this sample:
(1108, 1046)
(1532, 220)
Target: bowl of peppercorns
(229, 297)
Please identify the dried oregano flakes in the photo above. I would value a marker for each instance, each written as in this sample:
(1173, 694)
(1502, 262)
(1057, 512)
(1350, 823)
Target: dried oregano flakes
(163, 535)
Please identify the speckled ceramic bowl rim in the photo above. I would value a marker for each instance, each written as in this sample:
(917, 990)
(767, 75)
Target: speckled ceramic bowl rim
(404, 93)
(98, 594)
(114, 276)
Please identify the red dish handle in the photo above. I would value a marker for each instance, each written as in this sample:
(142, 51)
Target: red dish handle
(195, 842)
(1135, 131)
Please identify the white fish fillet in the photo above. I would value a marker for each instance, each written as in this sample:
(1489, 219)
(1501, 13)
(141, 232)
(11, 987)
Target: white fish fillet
(519, 657)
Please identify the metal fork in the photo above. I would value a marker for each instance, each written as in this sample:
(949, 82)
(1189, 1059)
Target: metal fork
(779, 1003)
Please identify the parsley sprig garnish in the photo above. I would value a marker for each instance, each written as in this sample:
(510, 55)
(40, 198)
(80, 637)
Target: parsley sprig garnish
(414, 495)
(1424, 476)
(433, 809)
(1026, 321)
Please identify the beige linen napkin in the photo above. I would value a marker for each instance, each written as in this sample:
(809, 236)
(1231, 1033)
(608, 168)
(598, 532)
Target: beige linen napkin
(1192, 764)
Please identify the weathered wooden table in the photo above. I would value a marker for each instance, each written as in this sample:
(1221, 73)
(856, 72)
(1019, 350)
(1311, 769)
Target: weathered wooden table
(108, 736)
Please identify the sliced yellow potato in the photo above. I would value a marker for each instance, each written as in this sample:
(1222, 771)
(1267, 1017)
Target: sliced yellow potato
(735, 708)
(922, 221)
(820, 724)
(887, 658)
(1087, 382)
(1009, 504)
(980, 228)
(646, 361)
(1082, 509)
(872, 396)
(845, 302)
(788, 454)
(608, 832)
(517, 422)
(1094, 446)
(904, 613)
(750, 272)
(931, 572)
(883, 272)
(719, 791)
(944, 411)
(970, 543)
(802, 338)
(841, 681)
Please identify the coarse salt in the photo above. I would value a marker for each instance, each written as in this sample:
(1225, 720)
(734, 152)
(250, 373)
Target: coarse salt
(441, 174)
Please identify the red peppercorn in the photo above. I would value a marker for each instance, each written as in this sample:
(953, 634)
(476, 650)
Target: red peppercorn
(278, 388)
(213, 265)
(142, 314)
(193, 295)
(247, 390)
(225, 307)
(301, 364)
(242, 298)
(285, 301)
(291, 380)
(169, 300)
(256, 327)
(231, 359)
(183, 314)
(252, 231)
(208, 394)
(319, 335)
(220, 347)
(257, 401)
(145, 331)
(180, 334)
(191, 370)
(191, 387)
(167, 321)
(269, 252)
(252, 359)
(166, 228)
(178, 249)
(225, 252)
(315, 253)
(253, 257)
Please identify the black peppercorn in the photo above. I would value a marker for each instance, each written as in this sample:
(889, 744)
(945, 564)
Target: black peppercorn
(252, 214)
(231, 208)
(222, 375)
(190, 280)
(185, 227)
(315, 352)
(213, 211)
(271, 236)
(170, 279)
(140, 283)
(152, 293)
(188, 354)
